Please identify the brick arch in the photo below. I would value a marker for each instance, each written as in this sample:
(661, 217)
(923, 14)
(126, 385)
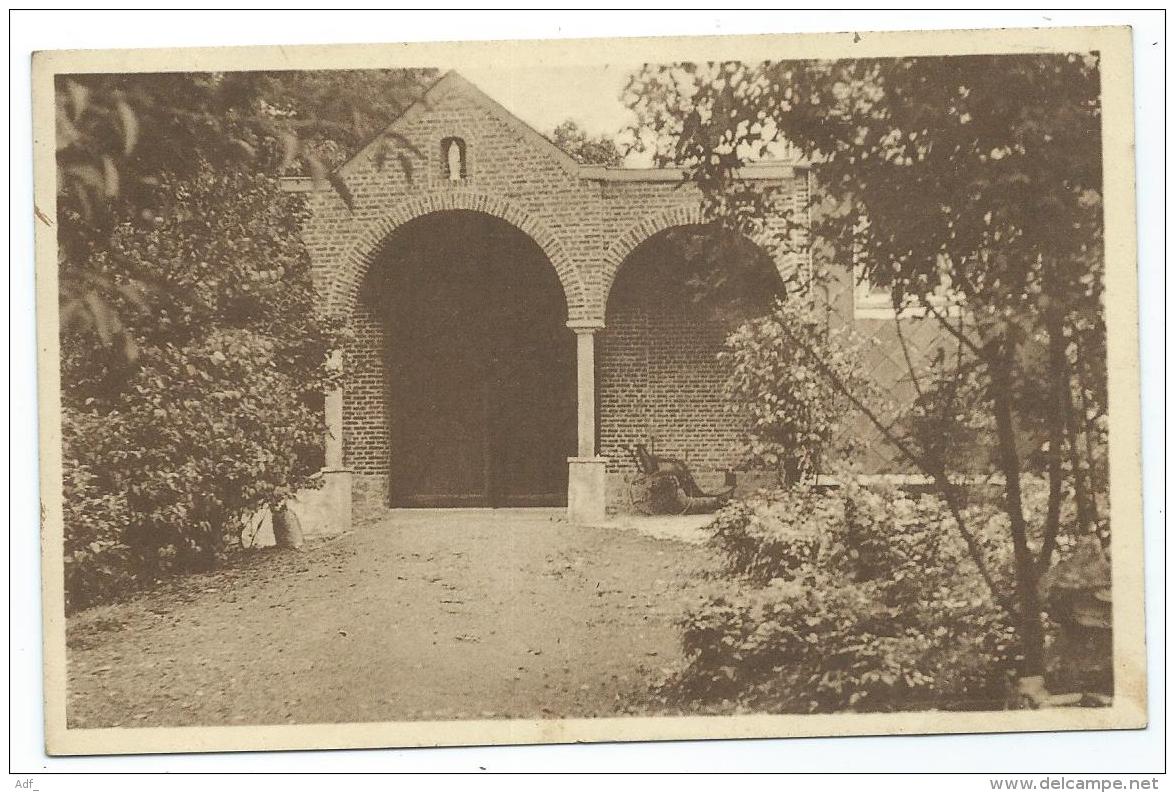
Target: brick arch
(626, 243)
(347, 281)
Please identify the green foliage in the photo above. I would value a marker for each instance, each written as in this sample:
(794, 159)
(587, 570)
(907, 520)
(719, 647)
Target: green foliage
(984, 163)
(122, 139)
(758, 548)
(220, 414)
(845, 600)
(600, 150)
(324, 116)
(778, 382)
(973, 177)
(98, 563)
(193, 360)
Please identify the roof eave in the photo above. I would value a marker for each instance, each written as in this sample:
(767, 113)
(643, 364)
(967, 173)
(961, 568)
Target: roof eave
(766, 171)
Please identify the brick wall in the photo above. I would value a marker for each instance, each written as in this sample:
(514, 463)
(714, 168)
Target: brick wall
(365, 419)
(586, 226)
(658, 373)
(655, 367)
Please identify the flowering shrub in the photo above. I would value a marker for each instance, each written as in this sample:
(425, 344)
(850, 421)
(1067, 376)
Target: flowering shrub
(846, 600)
(219, 412)
(780, 371)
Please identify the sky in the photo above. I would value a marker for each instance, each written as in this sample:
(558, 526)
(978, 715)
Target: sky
(545, 97)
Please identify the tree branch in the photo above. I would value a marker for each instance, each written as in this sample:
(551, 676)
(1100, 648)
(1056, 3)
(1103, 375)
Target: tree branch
(937, 473)
(966, 341)
(897, 321)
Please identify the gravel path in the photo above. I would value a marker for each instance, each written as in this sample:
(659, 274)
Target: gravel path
(422, 615)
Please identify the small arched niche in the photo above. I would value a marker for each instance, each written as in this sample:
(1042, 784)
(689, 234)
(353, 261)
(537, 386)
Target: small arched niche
(453, 159)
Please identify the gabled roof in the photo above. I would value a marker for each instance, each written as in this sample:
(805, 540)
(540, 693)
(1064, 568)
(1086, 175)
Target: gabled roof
(452, 82)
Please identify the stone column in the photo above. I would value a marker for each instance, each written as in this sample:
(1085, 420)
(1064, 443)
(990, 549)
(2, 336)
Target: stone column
(585, 472)
(327, 509)
(334, 420)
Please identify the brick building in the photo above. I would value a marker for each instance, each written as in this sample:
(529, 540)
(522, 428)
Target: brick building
(517, 322)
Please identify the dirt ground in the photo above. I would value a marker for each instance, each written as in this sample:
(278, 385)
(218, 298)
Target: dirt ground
(422, 615)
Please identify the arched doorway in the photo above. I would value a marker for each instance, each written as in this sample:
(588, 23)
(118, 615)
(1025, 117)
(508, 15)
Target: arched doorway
(480, 367)
(674, 299)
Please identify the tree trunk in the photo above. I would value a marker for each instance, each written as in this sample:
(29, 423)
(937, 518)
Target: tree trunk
(287, 529)
(1031, 629)
(1060, 389)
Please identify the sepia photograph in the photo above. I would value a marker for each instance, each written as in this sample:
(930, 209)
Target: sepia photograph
(529, 392)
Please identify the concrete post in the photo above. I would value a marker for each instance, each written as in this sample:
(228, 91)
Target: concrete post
(334, 419)
(585, 350)
(327, 509)
(586, 497)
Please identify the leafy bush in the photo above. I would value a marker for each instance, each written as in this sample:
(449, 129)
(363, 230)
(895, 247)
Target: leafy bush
(219, 412)
(98, 563)
(851, 599)
(760, 542)
(780, 374)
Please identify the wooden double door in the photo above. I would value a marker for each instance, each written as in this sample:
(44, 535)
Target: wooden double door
(480, 365)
